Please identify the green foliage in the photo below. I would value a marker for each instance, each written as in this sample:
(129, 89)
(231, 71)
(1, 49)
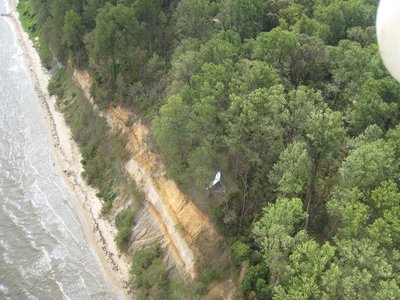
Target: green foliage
(324, 134)
(135, 192)
(194, 19)
(244, 16)
(311, 62)
(124, 222)
(290, 173)
(173, 117)
(312, 273)
(365, 270)
(117, 64)
(148, 12)
(123, 238)
(56, 83)
(28, 18)
(367, 166)
(277, 47)
(116, 27)
(385, 202)
(254, 126)
(287, 98)
(149, 275)
(277, 232)
(142, 259)
(262, 290)
(45, 54)
(333, 26)
(124, 218)
(240, 251)
(369, 107)
(349, 213)
(338, 16)
(178, 290)
(255, 282)
(73, 29)
(251, 75)
(208, 275)
(103, 152)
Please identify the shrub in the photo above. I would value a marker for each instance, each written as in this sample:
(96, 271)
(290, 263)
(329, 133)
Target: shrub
(123, 237)
(142, 259)
(149, 275)
(262, 289)
(125, 219)
(241, 252)
(56, 83)
(124, 222)
(208, 275)
(105, 209)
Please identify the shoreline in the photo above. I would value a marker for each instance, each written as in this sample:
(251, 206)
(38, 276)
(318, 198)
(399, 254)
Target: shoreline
(99, 232)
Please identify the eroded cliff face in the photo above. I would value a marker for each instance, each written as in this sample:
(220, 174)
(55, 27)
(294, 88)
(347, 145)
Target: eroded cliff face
(173, 216)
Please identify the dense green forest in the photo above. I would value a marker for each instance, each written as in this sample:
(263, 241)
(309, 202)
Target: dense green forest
(288, 98)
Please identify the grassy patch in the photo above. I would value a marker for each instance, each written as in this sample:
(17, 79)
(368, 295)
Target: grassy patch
(124, 222)
(27, 16)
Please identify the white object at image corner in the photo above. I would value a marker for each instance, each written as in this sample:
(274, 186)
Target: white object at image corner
(388, 33)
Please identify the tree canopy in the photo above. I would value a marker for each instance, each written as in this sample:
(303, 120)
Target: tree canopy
(288, 99)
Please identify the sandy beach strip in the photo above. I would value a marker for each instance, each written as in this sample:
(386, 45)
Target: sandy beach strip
(100, 232)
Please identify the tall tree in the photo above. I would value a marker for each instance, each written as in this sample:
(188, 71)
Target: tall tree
(148, 12)
(366, 271)
(73, 31)
(373, 105)
(290, 173)
(278, 233)
(194, 18)
(300, 103)
(251, 75)
(333, 22)
(349, 215)
(254, 127)
(385, 202)
(367, 166)
(172, 135)
(312, 273)
(324, 134)
(112, 50)
(310, 63)
(243, 16)
(277, 47)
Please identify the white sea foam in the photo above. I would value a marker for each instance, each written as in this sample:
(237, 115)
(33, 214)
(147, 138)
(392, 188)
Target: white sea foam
(4, 293)
(61, 288)
(5, 252)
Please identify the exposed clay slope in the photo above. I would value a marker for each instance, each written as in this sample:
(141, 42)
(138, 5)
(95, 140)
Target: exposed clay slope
(180, 221)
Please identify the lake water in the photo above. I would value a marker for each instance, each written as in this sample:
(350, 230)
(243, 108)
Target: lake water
(44, 253)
